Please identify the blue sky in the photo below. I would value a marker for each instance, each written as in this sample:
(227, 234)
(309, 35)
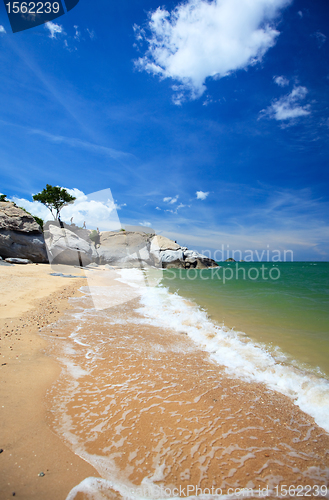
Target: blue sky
(208, 121)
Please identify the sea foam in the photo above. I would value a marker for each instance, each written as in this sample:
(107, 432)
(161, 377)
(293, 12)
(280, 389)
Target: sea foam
(241, 358)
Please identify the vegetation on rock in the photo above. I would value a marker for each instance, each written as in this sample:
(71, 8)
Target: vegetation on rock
(54, 198)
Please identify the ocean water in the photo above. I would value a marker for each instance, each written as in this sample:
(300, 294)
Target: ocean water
(287, 315)
(158, 390)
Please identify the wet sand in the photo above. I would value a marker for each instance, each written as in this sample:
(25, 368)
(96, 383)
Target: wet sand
(147, 407)
(139, 402)
(30, 299)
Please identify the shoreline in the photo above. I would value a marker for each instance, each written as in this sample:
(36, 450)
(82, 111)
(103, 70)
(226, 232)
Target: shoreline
(164, 388)
(33, 299)
(147, 406)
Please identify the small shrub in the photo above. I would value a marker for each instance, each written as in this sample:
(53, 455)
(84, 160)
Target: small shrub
(93, 235)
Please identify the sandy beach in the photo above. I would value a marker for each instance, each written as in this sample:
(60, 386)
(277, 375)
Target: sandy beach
(31, 298)
(146, 405)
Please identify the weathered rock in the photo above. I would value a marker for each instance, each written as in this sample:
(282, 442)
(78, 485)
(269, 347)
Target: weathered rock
(20, 236)
(120, 249)
(162, 243)
(129, 249)
(168, 255)
(66, 247)
(200, 263)
(14, 260)
(171, 256)
(174, 264)
(13, 218)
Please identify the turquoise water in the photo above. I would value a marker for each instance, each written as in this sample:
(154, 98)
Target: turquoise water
(287, 313)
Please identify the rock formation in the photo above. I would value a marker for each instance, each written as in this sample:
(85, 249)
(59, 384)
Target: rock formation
(20, 235)
(66, 247)
(123, 249)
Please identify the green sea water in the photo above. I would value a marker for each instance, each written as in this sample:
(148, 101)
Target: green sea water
(285, 308)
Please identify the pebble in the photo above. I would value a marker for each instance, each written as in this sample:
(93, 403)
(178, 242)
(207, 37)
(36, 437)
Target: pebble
(41, 474)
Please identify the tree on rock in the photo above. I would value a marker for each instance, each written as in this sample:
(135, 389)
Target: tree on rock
(54, 198)
(3, 197)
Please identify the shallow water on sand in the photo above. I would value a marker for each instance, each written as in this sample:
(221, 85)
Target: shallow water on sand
(288, 315)
(149, 409)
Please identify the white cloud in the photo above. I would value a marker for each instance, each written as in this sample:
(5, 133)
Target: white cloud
(282, 81)
(300, 13)
(200, 39)
(157, 208)
(201, 195)
(146, 224)
(2, 29)
(170, 199)
(97, 209)
(54, 29)
(288, 107)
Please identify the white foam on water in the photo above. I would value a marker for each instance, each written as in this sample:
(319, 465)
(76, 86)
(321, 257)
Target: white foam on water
(241, 359)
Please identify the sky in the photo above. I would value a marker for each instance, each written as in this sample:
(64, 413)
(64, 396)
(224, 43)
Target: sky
(204, 120)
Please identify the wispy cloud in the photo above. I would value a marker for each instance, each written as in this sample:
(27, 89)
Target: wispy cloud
(201, 195)
(288, 107)
(2, 29)
(282, 218)
(282, 81)
(54, 29)
(321, 38)
(200, 39)
(145, 223)
(91, 33)
(77, 143)
(77, 33)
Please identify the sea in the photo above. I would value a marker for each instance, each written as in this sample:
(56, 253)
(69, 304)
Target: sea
(212, 377)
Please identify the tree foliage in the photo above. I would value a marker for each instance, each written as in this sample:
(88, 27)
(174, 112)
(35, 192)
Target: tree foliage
(3, 197)
(54, 198)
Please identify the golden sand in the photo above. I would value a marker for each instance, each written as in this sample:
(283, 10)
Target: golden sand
(30, 299)
(154, 405)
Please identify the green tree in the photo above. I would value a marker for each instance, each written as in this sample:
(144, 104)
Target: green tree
(54, 198)
(3, 197)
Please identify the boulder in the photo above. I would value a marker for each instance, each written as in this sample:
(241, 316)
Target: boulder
(66, 247)
(168, 254)
(14, 260)
(162, 243)
(171, 256)
(13, 218)
(20, 235)
(125, 248)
